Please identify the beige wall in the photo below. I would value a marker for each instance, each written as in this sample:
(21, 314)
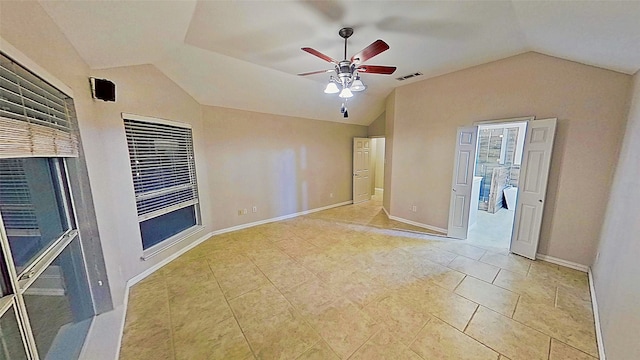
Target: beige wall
(141, 90)
(280, 164)
(379, 168)
(377, 127)
(389, 119)
(590, 104)
(617, 270)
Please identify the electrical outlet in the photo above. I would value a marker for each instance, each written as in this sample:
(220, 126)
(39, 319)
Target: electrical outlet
(331, 195)
(414, 208)
(255, 209)
(240, 212)
(244, 211)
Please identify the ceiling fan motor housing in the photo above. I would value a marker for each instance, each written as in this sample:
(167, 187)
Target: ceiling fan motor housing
(344, 71)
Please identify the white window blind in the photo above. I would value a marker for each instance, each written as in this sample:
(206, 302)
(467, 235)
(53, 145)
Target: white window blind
(35, 117)
(162, 167)
(15, 200)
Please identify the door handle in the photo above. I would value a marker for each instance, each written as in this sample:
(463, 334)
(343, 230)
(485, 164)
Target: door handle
(454, 190)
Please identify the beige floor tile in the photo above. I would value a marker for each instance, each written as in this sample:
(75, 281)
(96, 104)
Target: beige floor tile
(259, 304)
(198, 303)
(488, 295)
(148, 345)
(435, 254)
(459, 248)
(398, 318)
(296, 247)
(438, 340)
(474, 268)
(563, 325)
(235, 281)
(509, 262)
(205, 340)
(559, 275)
(562, 351)
(357, 287)
(311, 298)
(447, 306)
(319, 351)
(384, 346)
(507, 336)
(448, 278)
(366, 289)
(527, 287)
(344, 327)
(287, 274)
(267, 255)
(282, 336)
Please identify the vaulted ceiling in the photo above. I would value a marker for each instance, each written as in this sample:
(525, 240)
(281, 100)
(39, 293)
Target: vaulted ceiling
(246, 54)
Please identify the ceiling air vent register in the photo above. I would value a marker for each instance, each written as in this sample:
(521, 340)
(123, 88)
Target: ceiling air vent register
(402, 78)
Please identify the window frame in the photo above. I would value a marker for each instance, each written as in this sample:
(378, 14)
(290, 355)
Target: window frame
(186, 233)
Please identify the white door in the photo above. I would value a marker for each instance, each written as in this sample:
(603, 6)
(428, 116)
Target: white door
(463, 166)
(532, 187)
(361, 178)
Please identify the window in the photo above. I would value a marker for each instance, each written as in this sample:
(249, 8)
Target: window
(46, 306)
(164, 177)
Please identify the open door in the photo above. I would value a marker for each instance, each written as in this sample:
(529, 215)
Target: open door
(361, 176)
(532, 187)
(463, 166)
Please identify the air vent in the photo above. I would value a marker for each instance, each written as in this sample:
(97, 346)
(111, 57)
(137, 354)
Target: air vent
(402, 78)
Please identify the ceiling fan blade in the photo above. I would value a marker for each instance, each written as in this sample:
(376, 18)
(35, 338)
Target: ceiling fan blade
(370, 51)
(320, 55)
(376, 69)
(315, 72)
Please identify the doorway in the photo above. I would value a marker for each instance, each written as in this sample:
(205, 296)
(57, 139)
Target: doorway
(377, 168)
(495, 183)
(529, 193)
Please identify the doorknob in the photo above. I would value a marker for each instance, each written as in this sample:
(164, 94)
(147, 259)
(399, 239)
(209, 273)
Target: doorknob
(540, 200)
(453, 190)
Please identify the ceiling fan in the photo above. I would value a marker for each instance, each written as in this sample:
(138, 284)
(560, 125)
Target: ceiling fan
(347, 71)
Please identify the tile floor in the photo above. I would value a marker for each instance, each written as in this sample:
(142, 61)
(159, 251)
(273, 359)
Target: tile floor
(492, 229)
(340, 284)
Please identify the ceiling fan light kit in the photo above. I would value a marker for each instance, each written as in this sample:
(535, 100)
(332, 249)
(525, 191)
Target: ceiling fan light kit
(347, 71)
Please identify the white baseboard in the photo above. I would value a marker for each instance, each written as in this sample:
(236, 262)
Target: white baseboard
(136, 279)
(386, 212)
(415, 223)
(561, 262)
(596, 316)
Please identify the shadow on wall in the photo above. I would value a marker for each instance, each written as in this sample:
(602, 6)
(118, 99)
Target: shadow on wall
(292, 193)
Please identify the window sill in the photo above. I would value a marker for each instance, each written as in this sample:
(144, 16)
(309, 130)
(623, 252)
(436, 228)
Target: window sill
(169, 242)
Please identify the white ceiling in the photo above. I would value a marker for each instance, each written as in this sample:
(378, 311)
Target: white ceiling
(246, 54)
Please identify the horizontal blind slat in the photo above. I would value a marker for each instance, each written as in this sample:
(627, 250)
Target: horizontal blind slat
(162, 167)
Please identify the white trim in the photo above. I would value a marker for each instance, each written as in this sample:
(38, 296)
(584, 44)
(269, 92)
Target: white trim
(22, 59)
(386, 212)
(155, 120)
(596, 317)
(561, 262)
(415, 223)
(125, 304)
(496, 122)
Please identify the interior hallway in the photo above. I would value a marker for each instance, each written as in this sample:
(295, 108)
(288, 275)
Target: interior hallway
(337, 284)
